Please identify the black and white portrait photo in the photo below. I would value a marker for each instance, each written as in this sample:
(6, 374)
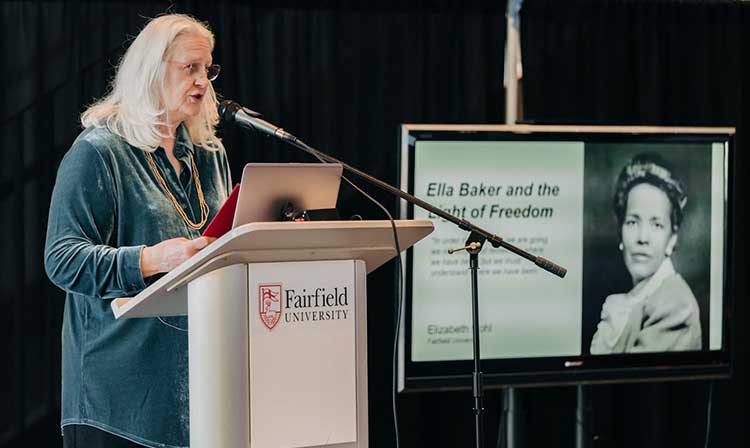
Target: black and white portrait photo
(646, 248)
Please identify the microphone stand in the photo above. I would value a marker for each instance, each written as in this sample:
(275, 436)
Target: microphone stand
(474, 244)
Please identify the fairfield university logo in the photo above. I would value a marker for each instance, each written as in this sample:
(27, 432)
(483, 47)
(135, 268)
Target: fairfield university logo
(299, 306)
(269, 304)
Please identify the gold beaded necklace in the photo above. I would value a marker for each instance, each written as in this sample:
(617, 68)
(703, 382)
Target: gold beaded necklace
(201, 199)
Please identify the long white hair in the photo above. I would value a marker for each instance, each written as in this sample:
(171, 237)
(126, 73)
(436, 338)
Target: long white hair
(134, 107)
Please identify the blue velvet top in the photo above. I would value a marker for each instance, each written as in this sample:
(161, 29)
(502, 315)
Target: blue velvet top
(128, 377)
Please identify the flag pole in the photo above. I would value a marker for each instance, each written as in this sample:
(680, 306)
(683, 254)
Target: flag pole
(512, 73)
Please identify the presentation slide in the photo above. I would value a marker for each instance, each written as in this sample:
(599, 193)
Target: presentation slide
(639, 227)
(530, 192)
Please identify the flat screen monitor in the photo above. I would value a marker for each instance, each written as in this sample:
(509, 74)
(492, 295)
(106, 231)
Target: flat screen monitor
(639, 216)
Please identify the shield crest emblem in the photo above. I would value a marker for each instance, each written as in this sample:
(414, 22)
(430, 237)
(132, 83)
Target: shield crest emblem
(269, 304)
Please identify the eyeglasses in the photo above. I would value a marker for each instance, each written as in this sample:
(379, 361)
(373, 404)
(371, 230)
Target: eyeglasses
(195, 68)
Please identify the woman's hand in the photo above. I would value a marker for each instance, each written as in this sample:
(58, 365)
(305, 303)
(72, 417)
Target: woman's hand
(168, 254)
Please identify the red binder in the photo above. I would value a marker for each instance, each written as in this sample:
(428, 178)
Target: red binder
(222, 222)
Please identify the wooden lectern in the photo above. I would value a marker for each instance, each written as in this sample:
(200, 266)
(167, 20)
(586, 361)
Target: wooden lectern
(277, 330)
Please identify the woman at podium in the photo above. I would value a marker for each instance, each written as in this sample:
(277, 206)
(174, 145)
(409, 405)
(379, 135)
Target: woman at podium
(131, 198)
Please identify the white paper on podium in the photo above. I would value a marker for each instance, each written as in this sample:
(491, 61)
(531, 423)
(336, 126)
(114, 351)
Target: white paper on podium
(302, 354)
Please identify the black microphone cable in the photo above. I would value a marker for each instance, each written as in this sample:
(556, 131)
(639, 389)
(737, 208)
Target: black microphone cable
(228, 111)
(400, 288)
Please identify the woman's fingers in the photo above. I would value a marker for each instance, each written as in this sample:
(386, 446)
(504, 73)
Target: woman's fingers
(169, 254)
(201, 242)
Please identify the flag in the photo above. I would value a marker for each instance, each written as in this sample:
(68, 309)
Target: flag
(513, 72)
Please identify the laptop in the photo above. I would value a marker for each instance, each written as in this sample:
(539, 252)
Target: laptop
(268, 187)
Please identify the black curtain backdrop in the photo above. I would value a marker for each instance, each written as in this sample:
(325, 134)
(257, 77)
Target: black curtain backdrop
(342, 76)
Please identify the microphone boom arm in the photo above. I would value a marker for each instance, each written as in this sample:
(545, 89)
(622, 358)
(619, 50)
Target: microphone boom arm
(228, 110)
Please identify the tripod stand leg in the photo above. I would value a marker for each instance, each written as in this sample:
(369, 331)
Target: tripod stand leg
(507, 435)
(582, 417)
(510, 408)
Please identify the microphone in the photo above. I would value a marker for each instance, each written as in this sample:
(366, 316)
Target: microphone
(231, 112)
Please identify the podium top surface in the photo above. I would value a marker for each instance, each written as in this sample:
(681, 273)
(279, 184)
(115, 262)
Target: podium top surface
(267, 242)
